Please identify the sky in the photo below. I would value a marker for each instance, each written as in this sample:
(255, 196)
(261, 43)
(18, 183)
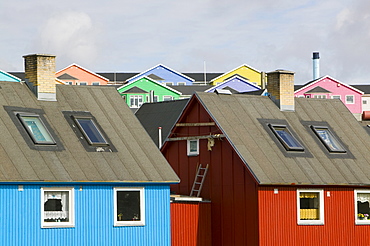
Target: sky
(192, 35)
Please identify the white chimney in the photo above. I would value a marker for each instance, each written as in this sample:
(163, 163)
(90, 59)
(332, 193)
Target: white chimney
(316, 65)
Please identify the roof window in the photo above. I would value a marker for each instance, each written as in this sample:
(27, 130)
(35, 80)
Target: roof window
(286, 138)
(328, 139)
(36, 128)
(90, 130)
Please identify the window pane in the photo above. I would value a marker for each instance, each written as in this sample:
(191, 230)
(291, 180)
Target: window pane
(329, 139)
(37, 130)
(128, 206)
(286, 138)
(91, 131)
(309, 205)
(363, 206)
(56, 206)
(193, 146)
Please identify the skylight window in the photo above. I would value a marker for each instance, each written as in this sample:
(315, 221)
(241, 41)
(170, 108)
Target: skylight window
(289, 142)
(36, 128)
(328, 139)
(90, 130)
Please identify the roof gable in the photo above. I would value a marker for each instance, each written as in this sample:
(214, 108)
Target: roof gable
(147, 84)
(318, 89)
(70, 70)
(242, 70)
(4, 76)
(165, 74)
(237, 83)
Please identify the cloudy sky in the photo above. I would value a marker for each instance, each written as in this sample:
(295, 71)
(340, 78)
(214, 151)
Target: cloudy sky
(135, 35)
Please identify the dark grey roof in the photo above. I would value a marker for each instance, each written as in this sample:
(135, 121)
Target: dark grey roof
(161, 114)
(297, 87)
(240, 116)
(190, 89)
(155, 77)
(364, 88)
(66, 76)
(257, 93)
(318, 89)
(18, 75)
(230, 89)
(134, 89)
(199, 77)
(118, 77)
(137, 159)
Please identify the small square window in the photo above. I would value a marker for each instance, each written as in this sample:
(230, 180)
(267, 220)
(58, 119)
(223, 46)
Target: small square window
(167, 98)
(36, 128)
(90, 130)
(57, 207)
(350, 99)
(364, 101)
(193, 147)
(129, 209)
(181, 83)
(168, 83)
(83, 83)
(310, 207)
(362, 207)
(95, 83)
(328, 139)
(289, 142)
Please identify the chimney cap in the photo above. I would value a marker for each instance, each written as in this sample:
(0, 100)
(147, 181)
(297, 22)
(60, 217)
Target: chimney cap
(282, 71)
(48, 55)
(315, 55)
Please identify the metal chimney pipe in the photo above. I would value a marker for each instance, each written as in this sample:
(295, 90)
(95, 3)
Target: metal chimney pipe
(316, 65)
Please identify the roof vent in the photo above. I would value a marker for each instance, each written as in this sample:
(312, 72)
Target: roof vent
(222, 91)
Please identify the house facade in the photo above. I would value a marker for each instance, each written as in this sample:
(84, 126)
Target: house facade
(139, 91)
(236, 84)
(4, 76)
(247, 72)
(329, 88)
(77, 75)
(76, 168)
(281, 172)
(165, 75)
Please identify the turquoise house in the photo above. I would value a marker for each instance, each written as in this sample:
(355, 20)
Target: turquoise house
(4, 76)
(143, 89)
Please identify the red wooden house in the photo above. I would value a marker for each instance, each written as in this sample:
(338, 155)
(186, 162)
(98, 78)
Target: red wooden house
(296, 174)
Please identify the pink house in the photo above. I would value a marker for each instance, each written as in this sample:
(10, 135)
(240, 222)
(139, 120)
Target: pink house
(77, 75)
(329, 88)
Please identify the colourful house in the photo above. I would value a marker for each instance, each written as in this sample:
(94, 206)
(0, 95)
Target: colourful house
(4, 76)
(329, 88)
(76, 75)
(278, 175)
(165, 75)
(247, 72)
(236, 84)
(139, 91)
(79, 169)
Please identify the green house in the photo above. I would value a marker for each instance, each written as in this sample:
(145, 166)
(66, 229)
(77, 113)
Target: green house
(143, 89)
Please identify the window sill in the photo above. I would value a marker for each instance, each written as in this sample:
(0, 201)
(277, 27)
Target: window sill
(57, 225)
(310, 222)
(129, 223)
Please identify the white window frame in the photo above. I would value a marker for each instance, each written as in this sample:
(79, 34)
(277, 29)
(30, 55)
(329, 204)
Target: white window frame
(192, 153)
(69, 83)
(357, 220)
(140, 222)
(181, 83)
(95, 83)
(71, 222)
(337, 97)
(320, 96)
(168, 83)
(364, 101)
(169, 97)
(155, 98)
(83, 83)
(347, 102)
(137, 97)
(321, 209)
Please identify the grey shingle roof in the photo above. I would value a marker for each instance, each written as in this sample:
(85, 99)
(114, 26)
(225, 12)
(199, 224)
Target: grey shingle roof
(239, 116)
(67, 76)
(318, 89)
(137, 159)
(190, 89)
(161, 114)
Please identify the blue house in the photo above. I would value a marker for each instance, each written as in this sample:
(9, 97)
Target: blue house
(76, 166)
(165, 75)
(4, 76)
(236, 84)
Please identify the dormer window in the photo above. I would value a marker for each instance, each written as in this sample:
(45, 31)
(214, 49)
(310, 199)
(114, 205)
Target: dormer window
(286, 138)
(90, 130)
(35, 128)
(328, 139)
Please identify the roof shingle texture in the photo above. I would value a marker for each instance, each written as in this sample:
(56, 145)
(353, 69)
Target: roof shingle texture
(137, 159)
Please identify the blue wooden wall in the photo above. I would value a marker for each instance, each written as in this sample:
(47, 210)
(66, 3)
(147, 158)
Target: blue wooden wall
(20, 219)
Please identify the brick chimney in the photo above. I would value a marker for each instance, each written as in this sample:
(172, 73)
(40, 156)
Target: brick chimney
(40, 75)
(280, 86)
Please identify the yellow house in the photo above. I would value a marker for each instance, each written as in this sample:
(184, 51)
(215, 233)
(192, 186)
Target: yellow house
(251, 74)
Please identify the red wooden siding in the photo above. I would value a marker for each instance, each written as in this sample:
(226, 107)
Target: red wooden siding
(191, 224)
(278, 220)
(228, 184)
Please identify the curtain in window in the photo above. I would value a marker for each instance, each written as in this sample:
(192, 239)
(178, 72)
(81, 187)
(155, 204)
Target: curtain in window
(309, 206)
(363, 197)
(56, 205)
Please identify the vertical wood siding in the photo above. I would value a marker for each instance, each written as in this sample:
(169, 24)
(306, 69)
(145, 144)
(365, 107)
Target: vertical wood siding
(278, 220)
(20, 219)
(191, 224)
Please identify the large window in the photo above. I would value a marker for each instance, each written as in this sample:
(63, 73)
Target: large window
(129, 209)
(90, 131)
(362, 206)
(57, 207)
(328, 139)
(136, 101)
(193, 147)
(286, 138)
(36, 128)
(310, 207)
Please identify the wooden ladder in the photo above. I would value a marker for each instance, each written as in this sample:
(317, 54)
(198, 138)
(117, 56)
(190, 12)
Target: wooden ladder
(199, 180)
